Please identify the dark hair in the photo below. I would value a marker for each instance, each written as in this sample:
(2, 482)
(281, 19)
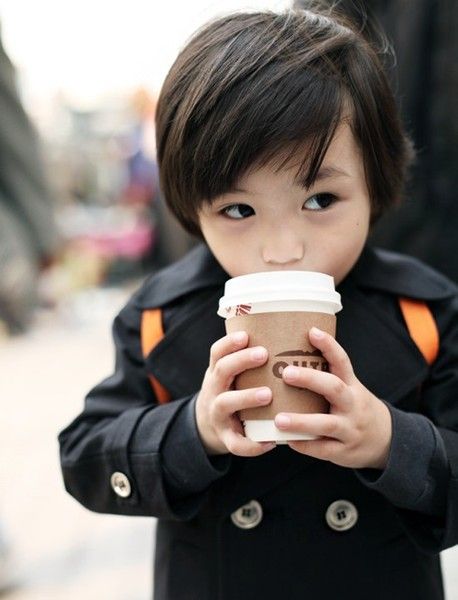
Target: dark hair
(252, 88)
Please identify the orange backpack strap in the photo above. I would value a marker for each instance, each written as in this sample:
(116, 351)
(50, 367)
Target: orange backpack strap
(422, 327)
(152, 333)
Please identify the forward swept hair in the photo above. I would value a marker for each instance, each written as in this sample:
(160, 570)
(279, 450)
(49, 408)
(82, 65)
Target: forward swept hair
(263, 87)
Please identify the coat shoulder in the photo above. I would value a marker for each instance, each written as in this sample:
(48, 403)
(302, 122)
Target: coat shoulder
(197, 271)
(401, 275)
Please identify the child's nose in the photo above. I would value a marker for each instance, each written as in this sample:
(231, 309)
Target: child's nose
(282, 248)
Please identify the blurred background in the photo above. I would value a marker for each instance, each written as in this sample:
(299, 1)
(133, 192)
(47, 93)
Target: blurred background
(82, 222)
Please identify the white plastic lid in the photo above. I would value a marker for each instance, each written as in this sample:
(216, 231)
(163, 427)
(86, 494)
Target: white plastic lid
(280, 286)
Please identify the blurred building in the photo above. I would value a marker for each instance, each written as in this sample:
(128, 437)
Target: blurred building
(28, 233)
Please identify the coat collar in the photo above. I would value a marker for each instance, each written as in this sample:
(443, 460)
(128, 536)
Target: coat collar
(197, 270)
(382, 352)
(376, 269)
(383, 355)
(400, 275)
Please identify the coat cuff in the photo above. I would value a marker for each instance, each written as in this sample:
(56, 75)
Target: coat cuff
(416, 474)
(187, 467)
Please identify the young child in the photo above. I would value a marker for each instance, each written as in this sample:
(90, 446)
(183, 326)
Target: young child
(279, 144)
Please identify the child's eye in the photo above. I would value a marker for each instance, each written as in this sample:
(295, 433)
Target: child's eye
(238, 211)
(319, 201)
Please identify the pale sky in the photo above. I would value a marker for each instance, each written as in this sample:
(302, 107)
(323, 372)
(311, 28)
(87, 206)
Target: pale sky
(87, 48)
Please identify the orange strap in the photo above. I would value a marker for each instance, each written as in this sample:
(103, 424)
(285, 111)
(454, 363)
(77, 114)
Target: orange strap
(422, 327)
(152, 333)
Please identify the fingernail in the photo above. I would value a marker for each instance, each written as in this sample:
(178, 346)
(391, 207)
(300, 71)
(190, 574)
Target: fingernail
(263, 395)
(239, 337)
(258, 354)
(291, 373)
(317, 332)
(282, 421)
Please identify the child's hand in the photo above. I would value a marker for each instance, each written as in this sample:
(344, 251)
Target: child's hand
(357, 431)
(217, 403)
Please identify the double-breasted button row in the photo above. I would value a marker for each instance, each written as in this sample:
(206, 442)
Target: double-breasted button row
(120, 484)
(341, 515)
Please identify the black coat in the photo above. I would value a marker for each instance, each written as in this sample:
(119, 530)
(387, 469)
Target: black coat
(381, 542)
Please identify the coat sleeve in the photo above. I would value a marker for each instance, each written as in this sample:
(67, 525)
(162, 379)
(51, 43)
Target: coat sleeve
(122, 428)
(421, 478)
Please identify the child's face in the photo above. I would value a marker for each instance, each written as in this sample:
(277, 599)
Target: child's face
(272, 223)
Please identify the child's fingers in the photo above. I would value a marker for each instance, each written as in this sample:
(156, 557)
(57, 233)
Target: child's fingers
(325, 384)
(239, 445)
(227, 344)
(339, 363)
(319, 425)
(230, 365)
(232, 401)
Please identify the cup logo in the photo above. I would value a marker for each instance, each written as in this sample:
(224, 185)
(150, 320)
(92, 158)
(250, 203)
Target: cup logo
(299, 358)
(242, 309)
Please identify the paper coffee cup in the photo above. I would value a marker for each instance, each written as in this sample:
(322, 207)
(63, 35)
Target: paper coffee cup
(277, 310)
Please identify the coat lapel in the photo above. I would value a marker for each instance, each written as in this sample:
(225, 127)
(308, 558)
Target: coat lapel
(180, 360)
(383, 355)
(372, 331)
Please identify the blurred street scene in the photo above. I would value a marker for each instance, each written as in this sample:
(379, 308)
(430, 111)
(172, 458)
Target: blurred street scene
(78, 210)
(79, 220)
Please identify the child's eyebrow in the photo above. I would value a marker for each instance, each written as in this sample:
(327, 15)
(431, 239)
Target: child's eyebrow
(324, 173)
(239, 191)
(331, 171)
